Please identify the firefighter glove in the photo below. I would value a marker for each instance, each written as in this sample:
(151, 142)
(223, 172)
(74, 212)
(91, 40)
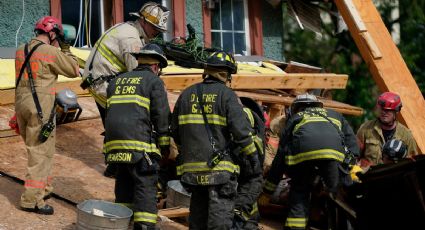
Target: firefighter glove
(65, 46)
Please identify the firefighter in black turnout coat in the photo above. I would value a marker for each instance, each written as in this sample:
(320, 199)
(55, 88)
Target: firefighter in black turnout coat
(205, 163)
(137, 134)
(250, 185)
(312, 143)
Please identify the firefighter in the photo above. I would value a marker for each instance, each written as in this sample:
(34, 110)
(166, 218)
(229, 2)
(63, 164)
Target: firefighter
(34, 111)
(112, 53)
(137, 142)
(312, 143)
(205, 163)
(250, 185)
(373, 134)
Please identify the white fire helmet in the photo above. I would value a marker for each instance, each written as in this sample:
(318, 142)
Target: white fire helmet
(155, 14)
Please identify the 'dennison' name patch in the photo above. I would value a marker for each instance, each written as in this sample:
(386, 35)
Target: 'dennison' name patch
(119, 157)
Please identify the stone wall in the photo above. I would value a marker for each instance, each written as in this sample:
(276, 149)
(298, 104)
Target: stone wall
(11, 16)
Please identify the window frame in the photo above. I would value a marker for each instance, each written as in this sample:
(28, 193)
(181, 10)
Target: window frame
(178, 11)
(255, 26)
(246, 30)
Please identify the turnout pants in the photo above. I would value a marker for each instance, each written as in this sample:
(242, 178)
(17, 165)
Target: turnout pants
(246, 208)
(136, 189)
(211, 207)
(302, 178)
(40, 155)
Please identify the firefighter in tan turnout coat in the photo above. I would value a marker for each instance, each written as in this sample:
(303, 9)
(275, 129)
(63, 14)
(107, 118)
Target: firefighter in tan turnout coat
(45, 64)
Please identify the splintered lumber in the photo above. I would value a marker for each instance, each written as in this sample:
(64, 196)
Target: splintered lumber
(287, 101)
(174, 212)
(246, 81)
(385, 62)
(266, 81)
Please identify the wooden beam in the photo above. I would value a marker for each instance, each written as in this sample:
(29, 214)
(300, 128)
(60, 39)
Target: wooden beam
(373, 48)
(266, 81)
(287, 101)
(174, 212)
(354, 14)
(389, 72)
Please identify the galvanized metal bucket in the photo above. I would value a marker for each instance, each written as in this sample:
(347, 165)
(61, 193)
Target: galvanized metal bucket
(98, 214)
(177, 195)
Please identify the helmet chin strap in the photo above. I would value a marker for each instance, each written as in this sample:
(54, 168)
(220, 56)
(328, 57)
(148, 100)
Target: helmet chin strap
(51, 40)
(229, 77)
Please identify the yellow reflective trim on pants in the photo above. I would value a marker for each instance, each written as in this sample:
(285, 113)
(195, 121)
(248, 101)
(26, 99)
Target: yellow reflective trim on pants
(126, 99)
(145, 217)
(111, 57)
(203, 167)
(309, 119)
(198, 119)
(250, 117)
(269, 186)
(314, 155)
(164, 140)
(130, 145)
(296, 222)
(249, 149)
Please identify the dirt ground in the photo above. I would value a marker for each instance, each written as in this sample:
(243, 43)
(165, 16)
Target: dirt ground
(11, 217)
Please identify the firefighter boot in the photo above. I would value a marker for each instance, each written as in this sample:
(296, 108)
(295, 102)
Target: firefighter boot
(45, 210)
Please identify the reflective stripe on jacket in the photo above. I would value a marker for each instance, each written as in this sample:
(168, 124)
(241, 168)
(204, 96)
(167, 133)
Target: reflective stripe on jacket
(225, 117)
(313, 137)
(309, 136)
(137, 106)
(111, 55)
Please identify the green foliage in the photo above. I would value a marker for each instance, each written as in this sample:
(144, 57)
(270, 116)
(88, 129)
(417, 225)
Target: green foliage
(412, 45)
(339, 53)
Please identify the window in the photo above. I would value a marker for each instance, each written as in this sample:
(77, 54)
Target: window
(91, 19)
(85, 17)
(229, 26)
